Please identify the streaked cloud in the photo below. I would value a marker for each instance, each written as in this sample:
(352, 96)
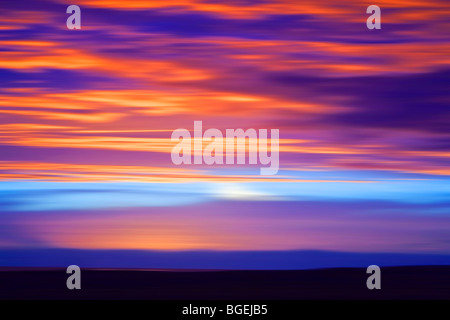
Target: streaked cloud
(86, 119)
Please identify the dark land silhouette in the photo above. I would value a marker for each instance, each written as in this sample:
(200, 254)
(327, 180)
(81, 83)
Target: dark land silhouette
(406, 282)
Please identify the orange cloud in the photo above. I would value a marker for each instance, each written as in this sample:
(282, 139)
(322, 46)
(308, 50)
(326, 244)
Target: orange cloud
(69, 172)
(68, 58)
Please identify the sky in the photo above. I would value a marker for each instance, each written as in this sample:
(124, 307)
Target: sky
(86, 118)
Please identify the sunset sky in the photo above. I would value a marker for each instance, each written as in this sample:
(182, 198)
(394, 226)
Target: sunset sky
(86, 118)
